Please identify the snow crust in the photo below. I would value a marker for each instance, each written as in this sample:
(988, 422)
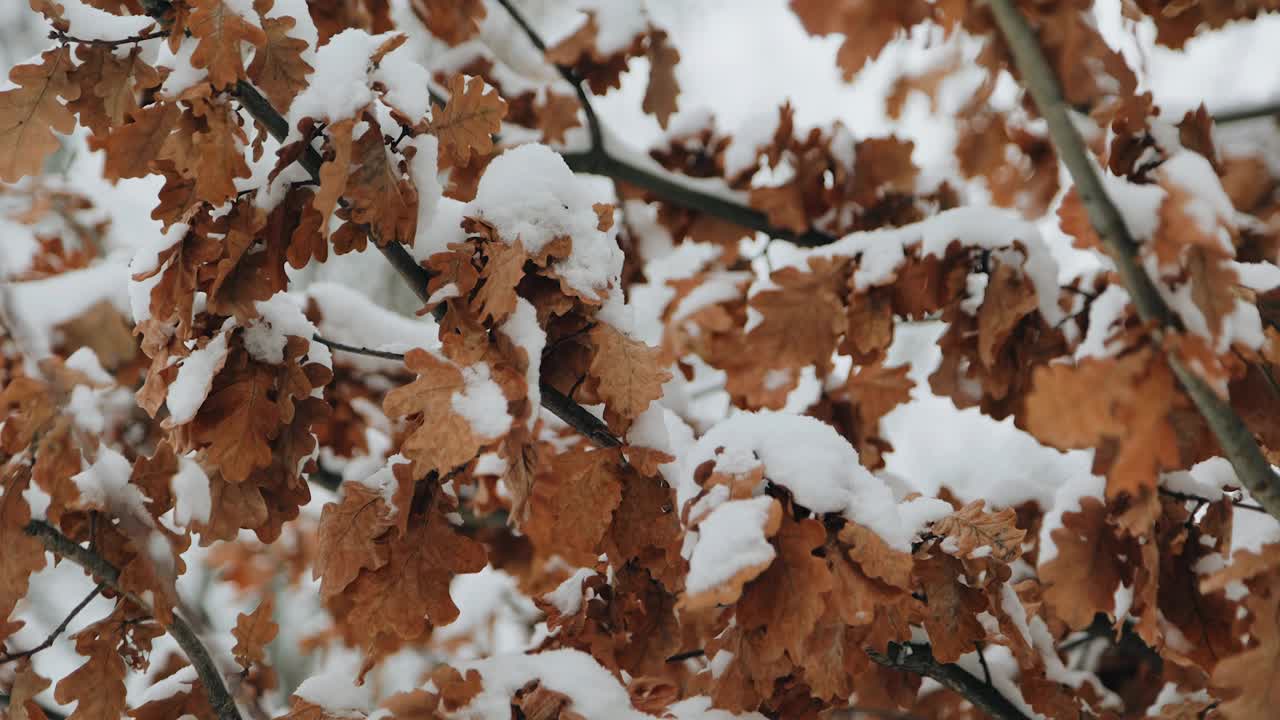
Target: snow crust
(195, 379)
(336, 692)
(730, 539)
(191, 497)
(90, 23)
(595, 692)
(481, 402)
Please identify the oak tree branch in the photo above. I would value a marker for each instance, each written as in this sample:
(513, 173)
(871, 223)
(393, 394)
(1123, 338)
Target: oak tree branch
(1039, 78)
(918, 659)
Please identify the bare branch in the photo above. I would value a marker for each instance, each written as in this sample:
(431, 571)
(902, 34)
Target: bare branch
(1038, 77)
(919, 659)
(131, 40)
(1251, 112)
(219, 699)
(48, 641)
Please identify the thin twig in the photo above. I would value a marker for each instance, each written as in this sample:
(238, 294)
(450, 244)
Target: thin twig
(224, 706)
(131, 40)
(1038, 77)
(919, 659)
(1188, 497)
(356, 350)
(48, 641)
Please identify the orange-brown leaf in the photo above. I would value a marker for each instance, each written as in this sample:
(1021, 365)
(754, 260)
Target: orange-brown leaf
(253, 632)
(469, 120)
(572, 505)
(349, 533)
(973, 529)
(30, 114)
(277, 67)
(239, 420)
(660, 97)
(220, 30)
(445, 439)
(630, 374)
(453, 21)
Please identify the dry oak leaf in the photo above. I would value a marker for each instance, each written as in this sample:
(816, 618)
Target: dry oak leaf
(1073, 407)
(349, 535)
(277, 67)
(239, 420)
(23, 554)
(108, 86)
(220, 30)
(1252, 674)
(410, 593)
(785, 603)
(556, 115)
(131, 149)
(1081, 580)
(629, 373)
(444, 439)
(381, 196)
(660, 96)
(469, 120)
(30, 114)
(867, 25)
(502, 271)
(453, 21)
(971, 529)
(752, 522)
(253, 632)
(952, 607)
(335, 172)
(802, 319)
(97, 686)
(876, 558)
(1213, 281)
(877, 389)
(27, 684)
(571, 506)
(1010, 296)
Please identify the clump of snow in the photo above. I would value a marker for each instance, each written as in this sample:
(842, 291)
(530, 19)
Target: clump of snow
(730, 539)
(529, 194)
(336, 692)
(182, 74)
(567, 597)
(49, 302)
(340, 84)
(481, 402)
(280, 316)
(883, 252)
(105, 484)
(189, 389)
(1106, 310)
(90, 23)
(146, 259)
(813, 461)
(424, 170)
(350, 317)
(756, 132)
(593, 690)
(699, 708)
(190, 486)
(407, 83)
(523, 329)
(86, 361)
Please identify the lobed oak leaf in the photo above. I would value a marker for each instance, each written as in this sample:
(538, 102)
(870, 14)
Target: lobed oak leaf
(1010, 297)
(349, 535)
(503, 270)
(469, 120)
(335, 172)
(571, 506)
(1073, 407)
(218, 152)
(785, 603)
(30, 114)
(803, 318)
(97, 686)
(976, 533)
(876, 558)
(253, 632)
(453, 21)
(27, 684)
(23, 554)
(628, 374)
(878, 390)
(660, 96)
(239, 420)
(952, 607)
(108, 85)
(556, 115)
(381, 195)
(1213, 280)
(1250, 675)
(1081, 581)
(219, 30)
(444, 439)
(278, 69)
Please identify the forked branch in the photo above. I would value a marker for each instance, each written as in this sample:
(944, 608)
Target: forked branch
(1038, 77)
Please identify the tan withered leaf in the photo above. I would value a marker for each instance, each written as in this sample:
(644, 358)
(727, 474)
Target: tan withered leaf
(775, 603)
(877, 389)
(132, 148)
(27, 684)
(875, 557)
(22, 554)
(381, 196)
(218, 152)
(951, 618)
(30, 114)
(444, 439)
(97, 686)
(973, 529)
(409, 594)
(803, 317)
(469, 120)
(107, 86)
(502, 271)
(556, 115)
(239, 420)
(334, 173)
(1081, 580)
(572, 505)
(1010, 296)
(660, 96)
(1252, 673)
(629, 373)
(220, 30)
(453, 21)
(253, 632)
(1072, 407)
(1212, 281)
(349, 532)
(277, 67)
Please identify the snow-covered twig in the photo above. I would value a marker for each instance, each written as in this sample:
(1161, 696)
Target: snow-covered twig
(219, 698)
(1038, 77)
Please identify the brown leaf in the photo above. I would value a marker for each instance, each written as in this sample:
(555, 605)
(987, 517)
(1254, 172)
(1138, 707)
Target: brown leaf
(1251, 674)
(381, 195)
(30, 114)
(23, 554)
(349, 536)
(454, 21)
(784, 603)
(1081, 580)
(951, 618)
(629, 373)
(334, 173)
(277, 67)
(253, 632)
(469, 120)
(27, 684)
(973, 529)
(97, 686)
(239, 420)
(132, 149)
(502, 272)
(877, 390)
(220, 30)
(572, 505)
(803, 319)
(660, 97)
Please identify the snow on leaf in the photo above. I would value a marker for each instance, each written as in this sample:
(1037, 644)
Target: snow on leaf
(278, 67)
(1252, 673)
(469, 120)
(974, 529)
(732, 549)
